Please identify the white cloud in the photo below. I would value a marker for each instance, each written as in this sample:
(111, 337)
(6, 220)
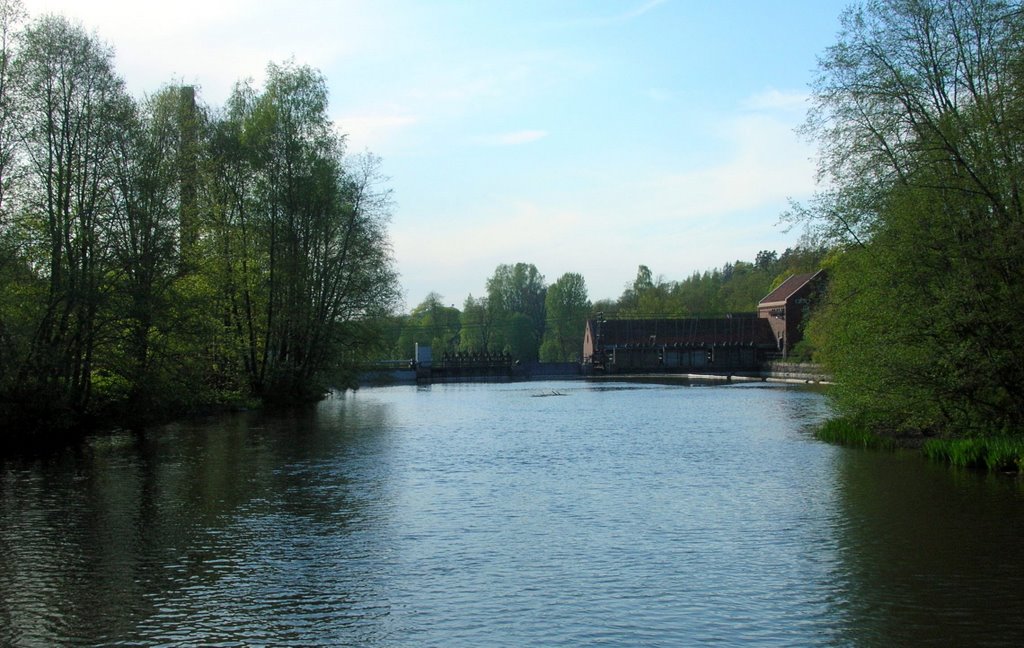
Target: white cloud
(442, 259)
(511, 139)
(373, 131)
(508, 231)
(767, 165)
(403, 82)
(631, 14)
(676, 220)
(660, 94)
(777, 100)
(452, 86)
(763, 163)
(215, 44)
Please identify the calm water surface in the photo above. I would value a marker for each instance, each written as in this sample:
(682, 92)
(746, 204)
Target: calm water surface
(553, 514)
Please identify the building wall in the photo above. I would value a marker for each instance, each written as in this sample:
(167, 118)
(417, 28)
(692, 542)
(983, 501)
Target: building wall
(794, 319)
(687, 344)
(778, 324)
(786, 319)
(588, 343)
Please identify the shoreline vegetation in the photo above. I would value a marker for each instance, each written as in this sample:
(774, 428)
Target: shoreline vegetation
(994, 454)
(917, 114)
(161, 257)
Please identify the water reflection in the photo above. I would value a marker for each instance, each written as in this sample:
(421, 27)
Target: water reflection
(475, 514)
(931, 557)
(131, 533)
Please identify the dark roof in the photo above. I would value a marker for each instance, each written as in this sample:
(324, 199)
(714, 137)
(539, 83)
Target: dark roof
(755, 331)
(788, 287)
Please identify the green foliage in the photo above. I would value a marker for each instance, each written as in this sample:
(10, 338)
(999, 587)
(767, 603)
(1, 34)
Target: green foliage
(994, 454)
(882, 373)
(567, 308)
(922, 330)
(803, 351)
(557, 313)
(165, 260)
(551, 350)
(520, 315)
(431, 324)
(646, 295)
(71, 110)
(479, 326)
(516, 297)
(300, 234)
(520, 337)
(734, 288)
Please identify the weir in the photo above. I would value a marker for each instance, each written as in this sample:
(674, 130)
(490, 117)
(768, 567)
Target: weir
(398, 372)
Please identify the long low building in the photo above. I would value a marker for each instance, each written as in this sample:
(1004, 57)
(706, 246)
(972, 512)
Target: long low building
(740, 342)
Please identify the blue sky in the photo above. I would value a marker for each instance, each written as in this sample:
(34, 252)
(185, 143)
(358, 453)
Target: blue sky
(585, 136)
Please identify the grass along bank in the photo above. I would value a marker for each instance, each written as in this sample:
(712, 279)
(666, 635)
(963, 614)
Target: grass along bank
(994, 454)
(843, 431)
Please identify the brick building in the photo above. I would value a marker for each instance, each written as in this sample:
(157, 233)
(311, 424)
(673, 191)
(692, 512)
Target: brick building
(785, 308)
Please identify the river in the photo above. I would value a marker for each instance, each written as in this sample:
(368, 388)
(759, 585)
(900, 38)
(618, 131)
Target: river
(540, 514)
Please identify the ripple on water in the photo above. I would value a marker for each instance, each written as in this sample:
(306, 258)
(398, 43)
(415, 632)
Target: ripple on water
(614, 515)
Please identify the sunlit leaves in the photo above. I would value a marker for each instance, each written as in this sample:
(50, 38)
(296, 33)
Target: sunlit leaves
(918, 115)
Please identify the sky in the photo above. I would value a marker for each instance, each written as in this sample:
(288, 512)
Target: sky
(586, 136)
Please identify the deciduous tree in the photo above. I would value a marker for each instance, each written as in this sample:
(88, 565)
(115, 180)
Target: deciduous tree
(918, 113)
(72, 107)
(567, 306)
(518, 289)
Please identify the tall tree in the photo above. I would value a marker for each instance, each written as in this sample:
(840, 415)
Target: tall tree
(180, 103)
(145, 225)
(918, 113)
(72, 107)
(478, 332)
(12, 12)
(13, 269)
(234, 252)
(432, 324)
(301, 233)
(519, 289)
(567, 307)
(647, 297)
(153, 256)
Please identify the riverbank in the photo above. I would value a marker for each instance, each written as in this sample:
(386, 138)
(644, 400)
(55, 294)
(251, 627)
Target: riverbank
(999, 454)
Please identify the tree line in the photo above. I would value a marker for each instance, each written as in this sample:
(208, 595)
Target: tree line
(523, 316)
(158, 255)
